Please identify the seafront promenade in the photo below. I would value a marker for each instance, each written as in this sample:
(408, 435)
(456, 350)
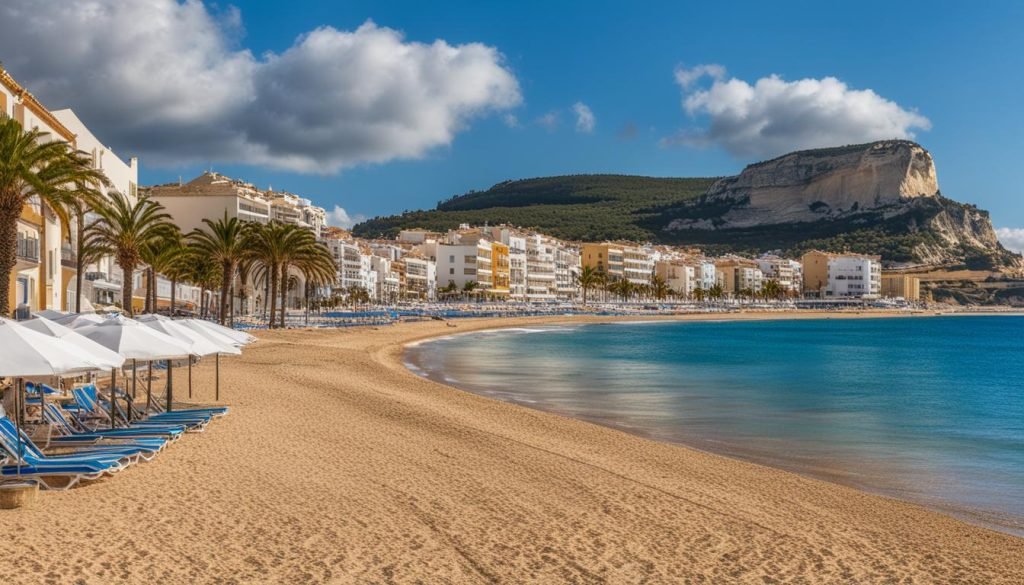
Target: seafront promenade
(337, 464)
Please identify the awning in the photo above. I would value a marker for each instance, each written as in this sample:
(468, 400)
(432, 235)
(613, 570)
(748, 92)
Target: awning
(104, 285)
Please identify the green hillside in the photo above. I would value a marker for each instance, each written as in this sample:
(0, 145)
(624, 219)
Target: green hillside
(575, 207)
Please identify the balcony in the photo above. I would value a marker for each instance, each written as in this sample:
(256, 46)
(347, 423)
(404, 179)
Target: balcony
(68, 258)
(27, 249)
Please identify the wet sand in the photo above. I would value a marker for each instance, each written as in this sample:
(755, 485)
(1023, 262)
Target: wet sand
(338, 465)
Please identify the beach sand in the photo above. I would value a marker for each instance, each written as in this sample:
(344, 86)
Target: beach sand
(337, 465)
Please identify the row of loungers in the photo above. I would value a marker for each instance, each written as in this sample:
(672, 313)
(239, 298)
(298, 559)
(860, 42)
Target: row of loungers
(82, 446)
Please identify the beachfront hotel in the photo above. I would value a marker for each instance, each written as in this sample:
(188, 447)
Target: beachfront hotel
(901, 286)
(828, 275)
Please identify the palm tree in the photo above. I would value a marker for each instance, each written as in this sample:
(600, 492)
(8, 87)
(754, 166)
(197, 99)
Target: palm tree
(277, 248)
(171, 258)
(224, 242)
(588, 278)
(125, 231)
(33, 166)
(659, 288)
(698, 294)
(716, 292)
(771, 289)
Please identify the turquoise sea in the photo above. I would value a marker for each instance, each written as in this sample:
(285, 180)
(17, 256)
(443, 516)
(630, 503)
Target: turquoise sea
(929, 410)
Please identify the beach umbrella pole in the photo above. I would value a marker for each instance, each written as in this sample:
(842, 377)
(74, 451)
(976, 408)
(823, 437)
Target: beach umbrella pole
(149, 386)
(135, 380)
(170, 386)
(113, 382)
(17, 421)
(217, 362)
(190, 376)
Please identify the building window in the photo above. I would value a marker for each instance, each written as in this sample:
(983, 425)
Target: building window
(451, 259)
(451, 271)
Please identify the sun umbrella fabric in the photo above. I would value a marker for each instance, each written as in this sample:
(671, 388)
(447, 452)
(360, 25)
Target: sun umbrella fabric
(199, 344)
(76, 320)
(239, 337)
(50, 314)
(219, 339)
(135, 341)
(27, 353)
(105, 357)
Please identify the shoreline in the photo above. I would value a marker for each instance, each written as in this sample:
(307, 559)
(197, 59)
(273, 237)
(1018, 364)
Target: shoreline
(338, 464)
(976, 517)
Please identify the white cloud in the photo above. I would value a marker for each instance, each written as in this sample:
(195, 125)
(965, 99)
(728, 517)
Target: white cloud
(510, 120)
(686, 77)
(585, 119)
(1011, 238)
(773, 116)
(338, 217)
(549, 121)
(167, 80)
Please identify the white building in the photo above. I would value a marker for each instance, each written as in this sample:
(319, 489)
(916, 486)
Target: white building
(854, 276)
(679, 275)
(541, 280)
(420, 277)
(788, 273)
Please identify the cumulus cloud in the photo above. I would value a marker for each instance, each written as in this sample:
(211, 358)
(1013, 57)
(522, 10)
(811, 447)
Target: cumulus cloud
(338, 217)
(773, 116)
(1011, 238)
(585, 119)
(168, 80)
(510, 120)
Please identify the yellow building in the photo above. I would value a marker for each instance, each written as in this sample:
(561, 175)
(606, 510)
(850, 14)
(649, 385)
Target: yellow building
(37, 281)
(605, 258)
(901, 285)
(815, 265)
(500, 273)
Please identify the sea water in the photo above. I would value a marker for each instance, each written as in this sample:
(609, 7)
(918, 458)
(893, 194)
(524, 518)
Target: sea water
(929, 410)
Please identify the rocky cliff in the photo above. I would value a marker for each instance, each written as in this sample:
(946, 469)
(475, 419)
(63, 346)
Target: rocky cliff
(885, 190)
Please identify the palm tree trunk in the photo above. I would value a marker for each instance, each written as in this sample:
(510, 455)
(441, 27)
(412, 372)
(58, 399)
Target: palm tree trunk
(225, 284)
(126, 289)
(284, 294)
(273, 295)
(8, 254)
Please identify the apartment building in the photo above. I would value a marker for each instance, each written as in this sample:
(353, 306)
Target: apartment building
(900, 286)
(679, 274)
(739, 275)
(606, 258)
(788, 273)
(541, 280)
(828, 275)
(420, 277)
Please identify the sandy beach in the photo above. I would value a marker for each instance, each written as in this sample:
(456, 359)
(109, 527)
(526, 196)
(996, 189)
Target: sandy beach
(338, 465)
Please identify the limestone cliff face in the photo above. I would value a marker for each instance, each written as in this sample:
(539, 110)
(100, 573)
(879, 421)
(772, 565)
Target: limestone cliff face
(818, 184)
(890, 186)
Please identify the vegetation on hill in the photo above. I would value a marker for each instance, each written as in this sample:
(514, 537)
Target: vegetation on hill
(574, 207)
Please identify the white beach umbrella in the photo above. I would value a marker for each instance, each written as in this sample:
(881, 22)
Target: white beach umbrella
(240, 337)
(76, 320)
(134, 340)
(199, 344)
(105, 357)
(211, 334)
(137, 342)
(50, 314)
(204, 342)
(27, 353)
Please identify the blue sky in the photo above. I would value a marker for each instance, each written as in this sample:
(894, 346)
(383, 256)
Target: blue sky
(954, 65)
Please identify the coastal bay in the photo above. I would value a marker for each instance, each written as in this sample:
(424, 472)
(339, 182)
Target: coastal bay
(338, 464)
